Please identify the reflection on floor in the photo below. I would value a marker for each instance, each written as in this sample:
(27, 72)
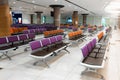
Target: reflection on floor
(62, 67)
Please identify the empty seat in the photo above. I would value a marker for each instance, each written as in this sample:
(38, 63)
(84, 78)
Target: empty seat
(45, 42)
(26, 31)
(89, 46)
(52, 39)
(32, 31)
(59, 38)
(23, 37)
(31, 36)
(100, 36)
(35, 45)
(85, 51)
(12, 39)
(93, 43)
(3, 40)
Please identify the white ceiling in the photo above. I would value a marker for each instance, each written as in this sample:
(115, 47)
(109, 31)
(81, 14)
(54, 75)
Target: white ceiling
(95, 6)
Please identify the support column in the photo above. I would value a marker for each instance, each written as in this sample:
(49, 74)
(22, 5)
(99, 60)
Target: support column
(75, 18)
(38, 17)
(31, 18)
(57, 14)
(5, 17)
(84, 19)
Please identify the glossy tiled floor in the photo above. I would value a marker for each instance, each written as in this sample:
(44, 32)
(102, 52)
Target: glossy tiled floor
(62, 67)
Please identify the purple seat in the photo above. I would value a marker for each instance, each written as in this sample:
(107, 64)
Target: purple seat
(32, 31)
(12, 39)
(85, 51)
(107, 30)
(39, 30)
(45, 42)
(31, 35)
(90, 30)
(93, 43)
(70, 27)
(59, 38)
(23, 37)
(26, 31)
(74, 29)
(3, 40)
(89, 46)
(52, 39)
(36, 30)
(35, 45)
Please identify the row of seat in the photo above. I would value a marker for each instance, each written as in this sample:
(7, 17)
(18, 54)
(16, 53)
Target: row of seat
(17, 30)
(53, 33)
(36, 31)
(94, 53)
(74, 35)
(93, 57)
(47, 46)
(12, 39)
(36, 26)
(13, 42)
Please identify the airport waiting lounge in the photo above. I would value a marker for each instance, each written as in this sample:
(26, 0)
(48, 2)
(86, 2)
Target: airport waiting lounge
(59, 39)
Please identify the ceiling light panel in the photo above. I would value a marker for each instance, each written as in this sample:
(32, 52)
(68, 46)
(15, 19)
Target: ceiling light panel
(113, 7)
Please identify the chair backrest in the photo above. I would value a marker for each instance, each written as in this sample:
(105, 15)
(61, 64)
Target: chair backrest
(85, 51)
(26, 31)
(23, 37)
(35, 45)
(46, 33)
(36, 30)
(89, 46)
(59, 38)
(89, 29)
(32, 31)
(31, 35)
(52, 39)
(40, 30)
(100, 35)
(93, 42)
(75, 33)
(45, 42)
(12, 38)
(3, 40)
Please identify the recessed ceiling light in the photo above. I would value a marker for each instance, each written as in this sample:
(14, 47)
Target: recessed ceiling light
(56, 0)
(113, 7)
(33, 1)
(14, 2)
